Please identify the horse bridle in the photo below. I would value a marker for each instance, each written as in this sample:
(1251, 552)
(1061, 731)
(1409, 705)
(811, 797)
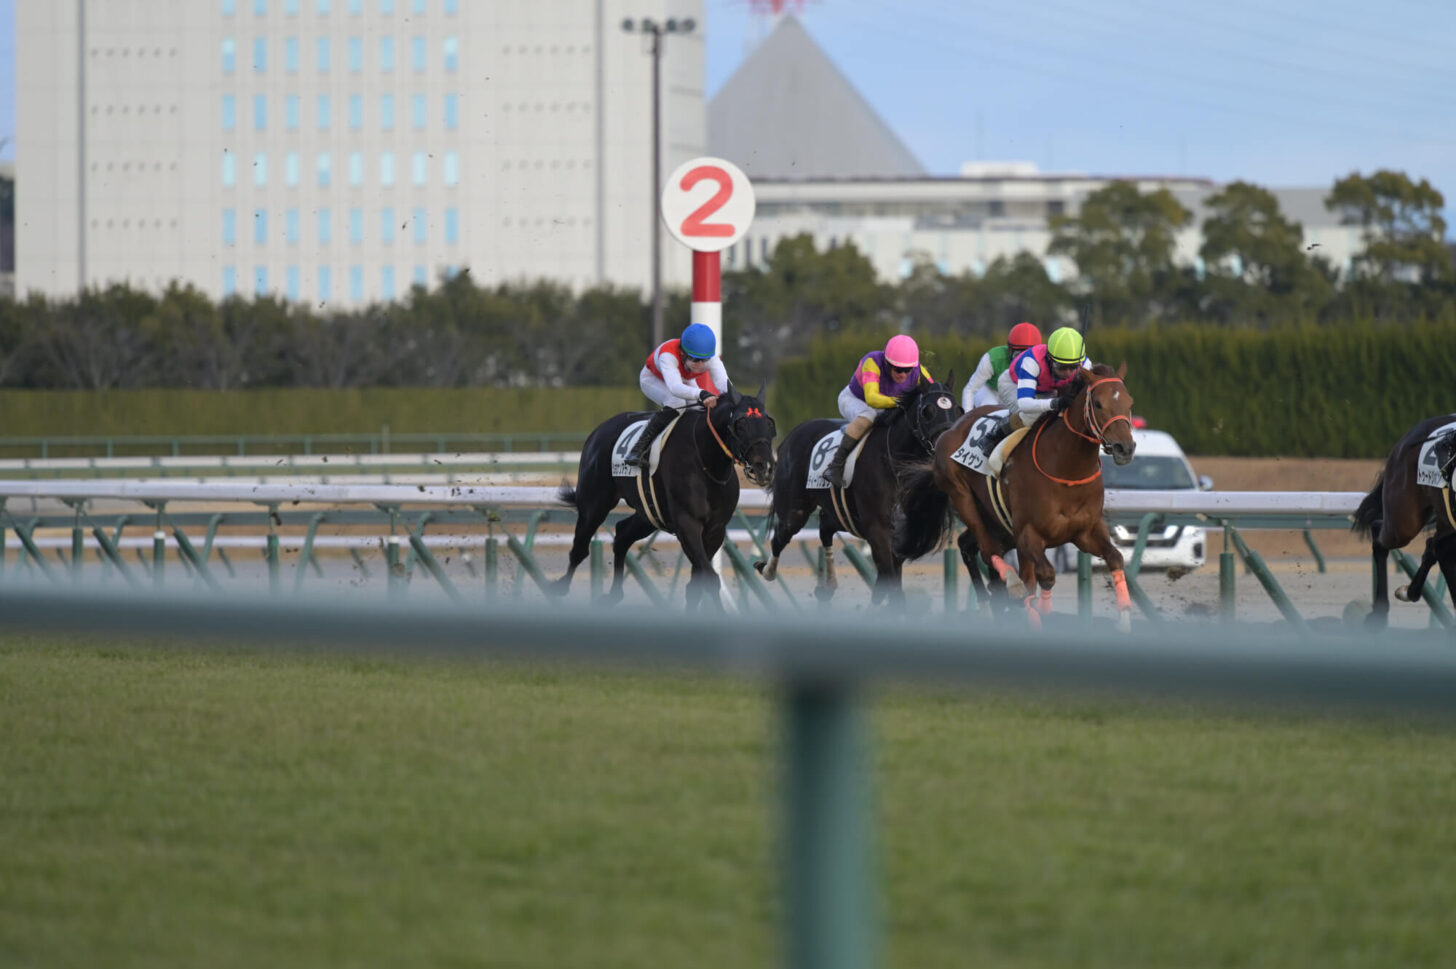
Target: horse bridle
(926, 442)
(1100, 432)
(737, 454)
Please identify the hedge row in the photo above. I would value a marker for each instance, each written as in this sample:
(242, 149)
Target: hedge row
(1338, 391)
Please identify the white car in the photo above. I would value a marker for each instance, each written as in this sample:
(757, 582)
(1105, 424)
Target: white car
(1159, 464)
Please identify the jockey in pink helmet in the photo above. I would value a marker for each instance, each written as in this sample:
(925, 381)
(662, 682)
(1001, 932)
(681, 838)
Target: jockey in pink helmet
(879, 381)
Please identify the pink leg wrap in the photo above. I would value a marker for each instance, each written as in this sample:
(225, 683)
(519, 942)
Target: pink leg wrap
(1044, 602)
(1119, 583)
(999, 564)
(1032, 616)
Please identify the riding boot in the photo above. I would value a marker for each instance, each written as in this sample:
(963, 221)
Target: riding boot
(656, 425)
(834, 474)
(998, 433)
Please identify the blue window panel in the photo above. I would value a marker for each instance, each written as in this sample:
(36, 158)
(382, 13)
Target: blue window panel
(229, 227)
(356, 111)
(292, 285)
(324, 170)
(451, 271)
(356, 55)
(290, 8)
(386, 225)
(386, 168)
(356, 283)
(418, 6)
(386, 282)
(260, 8)
(229, 7)
(260, 280)
(290, 55)
(290, 169)
(325, 284)
(418, 168)
(386, 54)
(356, 168)
(229, 168)
(260, 112)
(290, 226)
(452, 55)
(386, 112)
(229, 281)
(417, 111)
(417, 54)
(260, 169)
(356, 7)
(323, 7)
(291, 112)
(386, 6)
(422, 278)
(260, 55)
(451, 172)
(325, 226)
(452, 6)
(323, 55)
(260, 226)
(229, 55)
(229, 112)
(325, 107)
(452, 112)
(356, 225)
(421, 228)
(452, 225)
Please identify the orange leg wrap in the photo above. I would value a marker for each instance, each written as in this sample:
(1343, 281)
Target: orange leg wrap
(1033, 617)
(999, 564)
(1044, 603)
(1119, 583)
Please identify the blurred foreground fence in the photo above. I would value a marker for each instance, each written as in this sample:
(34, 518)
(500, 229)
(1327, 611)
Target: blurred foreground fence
(822, 668)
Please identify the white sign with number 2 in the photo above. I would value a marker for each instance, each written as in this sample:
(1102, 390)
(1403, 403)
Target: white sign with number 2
(707, 204)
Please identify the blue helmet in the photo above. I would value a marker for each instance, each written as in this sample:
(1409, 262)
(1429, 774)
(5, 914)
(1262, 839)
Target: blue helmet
(699, 342)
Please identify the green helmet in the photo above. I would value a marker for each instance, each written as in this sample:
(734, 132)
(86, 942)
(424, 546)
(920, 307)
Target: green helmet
(1064, 346)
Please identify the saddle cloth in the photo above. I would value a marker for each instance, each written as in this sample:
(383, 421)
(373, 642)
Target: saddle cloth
(823, 452)
(1437, 447)
(628, 438)
(972, 452)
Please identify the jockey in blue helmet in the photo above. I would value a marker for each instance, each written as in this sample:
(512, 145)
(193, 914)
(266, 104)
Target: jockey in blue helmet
(678, 374)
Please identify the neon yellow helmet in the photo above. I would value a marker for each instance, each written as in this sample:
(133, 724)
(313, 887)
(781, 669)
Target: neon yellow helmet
(1065, 346)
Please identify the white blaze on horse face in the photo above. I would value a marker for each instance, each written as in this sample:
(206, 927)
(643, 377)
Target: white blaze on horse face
(1116, 394)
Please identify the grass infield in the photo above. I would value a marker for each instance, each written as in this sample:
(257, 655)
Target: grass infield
(165, 808)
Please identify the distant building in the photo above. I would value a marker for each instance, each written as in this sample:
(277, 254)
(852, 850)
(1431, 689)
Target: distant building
(825, 164)
(337, 151)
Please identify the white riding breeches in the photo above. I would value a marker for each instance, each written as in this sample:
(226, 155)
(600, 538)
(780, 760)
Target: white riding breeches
(656, 390)
(851, 406)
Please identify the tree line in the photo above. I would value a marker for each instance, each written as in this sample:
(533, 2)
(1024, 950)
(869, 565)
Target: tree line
(1256, 272)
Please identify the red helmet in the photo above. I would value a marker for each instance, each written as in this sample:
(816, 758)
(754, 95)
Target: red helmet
(1023, 335)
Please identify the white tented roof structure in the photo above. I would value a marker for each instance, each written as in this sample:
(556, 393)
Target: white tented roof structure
(787, 112)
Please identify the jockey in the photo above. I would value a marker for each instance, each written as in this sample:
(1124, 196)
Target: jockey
(984, 388)
(878, 382)
(678, 374)
(1042, 373)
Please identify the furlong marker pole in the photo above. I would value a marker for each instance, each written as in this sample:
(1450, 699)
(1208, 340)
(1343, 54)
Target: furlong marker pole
(708, 292)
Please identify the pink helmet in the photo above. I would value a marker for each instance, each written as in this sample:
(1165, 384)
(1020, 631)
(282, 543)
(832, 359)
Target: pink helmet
(902, 351)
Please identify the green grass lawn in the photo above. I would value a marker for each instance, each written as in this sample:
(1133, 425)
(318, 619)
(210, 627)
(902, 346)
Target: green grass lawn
(162, 808)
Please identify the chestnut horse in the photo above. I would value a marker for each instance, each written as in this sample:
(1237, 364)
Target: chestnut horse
(1052, 490)
(1398, 509)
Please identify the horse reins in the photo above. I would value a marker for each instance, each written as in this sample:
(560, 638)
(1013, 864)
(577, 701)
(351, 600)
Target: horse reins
(1100, 438)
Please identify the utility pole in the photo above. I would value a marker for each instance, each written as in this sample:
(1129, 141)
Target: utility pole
(651, 28)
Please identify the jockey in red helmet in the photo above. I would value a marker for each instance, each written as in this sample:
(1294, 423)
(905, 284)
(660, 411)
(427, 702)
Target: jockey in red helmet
(986, 387)
(878, 382)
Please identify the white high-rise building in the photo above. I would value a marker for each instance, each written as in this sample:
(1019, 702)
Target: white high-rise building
(336, 151)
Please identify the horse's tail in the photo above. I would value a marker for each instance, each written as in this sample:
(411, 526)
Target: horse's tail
(566, 494)
(925, 517)
(1371, 510)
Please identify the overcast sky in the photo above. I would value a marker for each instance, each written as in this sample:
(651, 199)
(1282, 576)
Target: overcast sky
(1293, 93)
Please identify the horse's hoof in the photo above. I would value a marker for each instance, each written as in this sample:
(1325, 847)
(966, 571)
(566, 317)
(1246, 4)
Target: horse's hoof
(1377, 620)
(560, 587)
(1124, 621)
(824, 592)
(1015, 587)
(769, 570)
(1403, 594)
(610, 598)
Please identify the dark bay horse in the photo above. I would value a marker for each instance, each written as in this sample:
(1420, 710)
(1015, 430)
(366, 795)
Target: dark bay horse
(1052, 489)
(1398, 509)
(904, 435)
(696, 483)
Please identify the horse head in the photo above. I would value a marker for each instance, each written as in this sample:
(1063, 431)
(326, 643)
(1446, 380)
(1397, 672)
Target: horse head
(749, 431)
(931, 410)
(1106, 409)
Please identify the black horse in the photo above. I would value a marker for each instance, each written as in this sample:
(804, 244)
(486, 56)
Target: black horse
(695, 487)
(1399, 508)
(900, 437)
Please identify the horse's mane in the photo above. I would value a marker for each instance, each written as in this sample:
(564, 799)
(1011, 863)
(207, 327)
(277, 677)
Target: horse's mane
(1069, 393)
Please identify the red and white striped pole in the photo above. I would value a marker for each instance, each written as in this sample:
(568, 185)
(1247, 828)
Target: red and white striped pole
(708, 293)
